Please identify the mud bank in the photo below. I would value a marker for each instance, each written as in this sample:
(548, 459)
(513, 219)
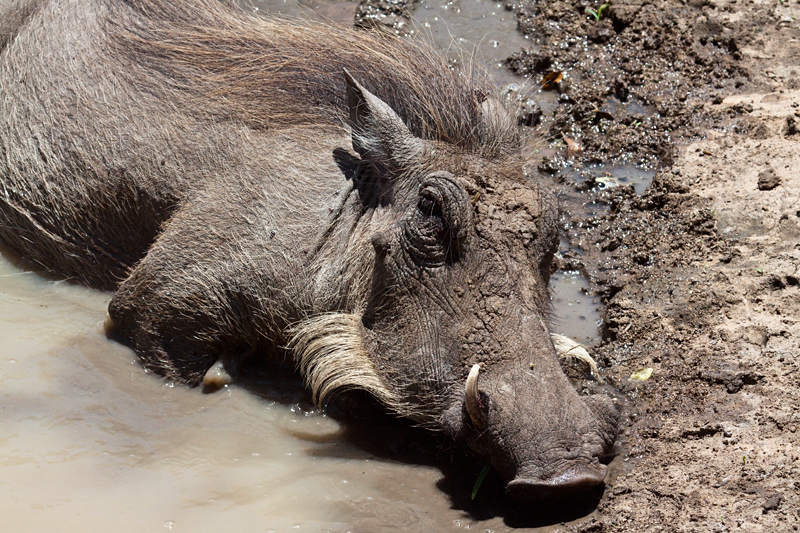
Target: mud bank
(699, 275)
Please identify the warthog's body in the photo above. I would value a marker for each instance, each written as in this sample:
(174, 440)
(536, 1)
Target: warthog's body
(203, 164)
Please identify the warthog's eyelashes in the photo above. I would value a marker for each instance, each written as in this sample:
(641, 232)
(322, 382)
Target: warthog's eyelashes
(475, 402)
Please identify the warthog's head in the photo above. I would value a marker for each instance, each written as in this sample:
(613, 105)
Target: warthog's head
(453, 331)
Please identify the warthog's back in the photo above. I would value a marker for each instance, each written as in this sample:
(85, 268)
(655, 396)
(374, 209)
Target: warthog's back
(83, 187)
(113, 112)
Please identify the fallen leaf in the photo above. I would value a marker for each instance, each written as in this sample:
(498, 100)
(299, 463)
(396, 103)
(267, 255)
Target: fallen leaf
(550, 79)
(642, 374)
(572, 146)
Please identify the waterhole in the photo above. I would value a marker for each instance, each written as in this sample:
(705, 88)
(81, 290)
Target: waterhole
(90, 442)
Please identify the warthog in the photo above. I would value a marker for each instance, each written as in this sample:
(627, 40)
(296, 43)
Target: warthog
(266, 189)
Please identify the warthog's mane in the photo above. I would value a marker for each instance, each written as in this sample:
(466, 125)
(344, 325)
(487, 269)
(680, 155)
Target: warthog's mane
(275, 73)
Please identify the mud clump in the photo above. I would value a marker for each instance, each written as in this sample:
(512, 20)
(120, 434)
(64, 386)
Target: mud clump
(768, 180)
(632, 78)
(390, 15)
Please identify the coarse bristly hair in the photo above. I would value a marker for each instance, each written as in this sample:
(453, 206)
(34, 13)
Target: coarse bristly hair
(330, 354)
(277, 72)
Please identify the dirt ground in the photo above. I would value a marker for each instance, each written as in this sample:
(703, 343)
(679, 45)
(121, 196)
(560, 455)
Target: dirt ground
(699, 275)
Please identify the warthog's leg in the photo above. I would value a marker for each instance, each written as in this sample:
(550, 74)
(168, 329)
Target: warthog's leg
(190, 301)
(165, 319)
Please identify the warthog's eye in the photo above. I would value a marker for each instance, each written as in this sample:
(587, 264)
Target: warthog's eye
(430, 205)
(435, 230)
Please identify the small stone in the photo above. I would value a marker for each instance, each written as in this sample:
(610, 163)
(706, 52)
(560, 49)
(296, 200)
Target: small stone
(791, 126)
(530, 113)
(768, 180)
(548, 166)
(772, 502)
(621, 90)
(217, 377)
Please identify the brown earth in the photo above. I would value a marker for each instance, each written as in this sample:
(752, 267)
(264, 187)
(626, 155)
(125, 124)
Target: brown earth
(699, 275)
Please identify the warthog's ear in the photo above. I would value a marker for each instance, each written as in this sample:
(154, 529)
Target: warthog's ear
(378, 132)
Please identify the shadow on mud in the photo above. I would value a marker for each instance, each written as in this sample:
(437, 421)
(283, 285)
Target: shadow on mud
(374, 434)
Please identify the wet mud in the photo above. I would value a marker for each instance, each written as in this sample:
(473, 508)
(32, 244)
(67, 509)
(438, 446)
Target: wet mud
(697, 272)
(670, 132)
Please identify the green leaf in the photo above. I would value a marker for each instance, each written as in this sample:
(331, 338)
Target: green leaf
(598, 13)
(478, 481)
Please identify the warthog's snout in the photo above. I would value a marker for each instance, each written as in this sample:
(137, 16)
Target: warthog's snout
(575, 482)
(546, 454)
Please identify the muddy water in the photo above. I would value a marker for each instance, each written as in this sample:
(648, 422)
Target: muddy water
(464, 29)
(90, 442)
(339, 11)
(480, 27)
(576, 311)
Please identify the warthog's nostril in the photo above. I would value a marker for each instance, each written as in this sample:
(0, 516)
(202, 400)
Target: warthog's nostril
(575, 482)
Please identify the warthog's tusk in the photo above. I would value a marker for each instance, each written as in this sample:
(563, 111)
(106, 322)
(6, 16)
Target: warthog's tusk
(472, 399)
(566, 347)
